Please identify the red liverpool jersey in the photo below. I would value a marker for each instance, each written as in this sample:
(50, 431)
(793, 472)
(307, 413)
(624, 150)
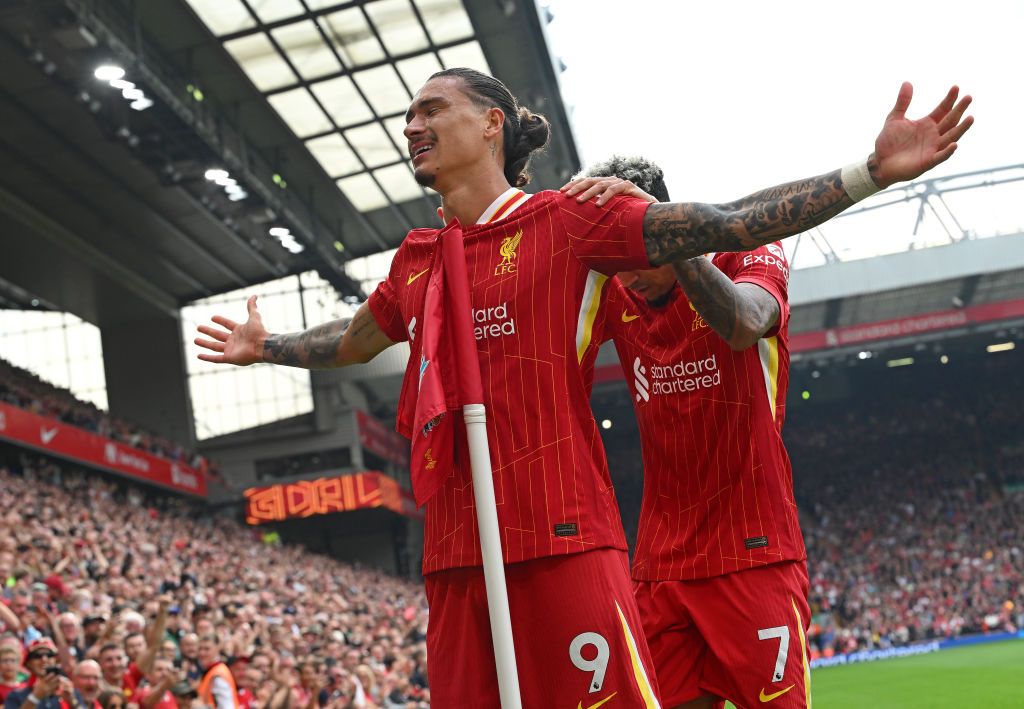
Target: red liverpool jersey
(718, 486)
(537, 276)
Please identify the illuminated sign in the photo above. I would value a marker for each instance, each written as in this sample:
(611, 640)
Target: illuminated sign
(344, 493)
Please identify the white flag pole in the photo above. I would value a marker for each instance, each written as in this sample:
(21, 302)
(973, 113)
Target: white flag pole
(475, 417)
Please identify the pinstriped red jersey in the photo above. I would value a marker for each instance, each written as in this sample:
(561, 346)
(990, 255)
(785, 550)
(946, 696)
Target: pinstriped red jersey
(718, 487)
(536, 285)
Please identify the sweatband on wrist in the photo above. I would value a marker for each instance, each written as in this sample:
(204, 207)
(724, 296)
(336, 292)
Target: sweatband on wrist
(857, 181)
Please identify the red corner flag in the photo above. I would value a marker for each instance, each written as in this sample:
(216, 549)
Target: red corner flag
(449, 367)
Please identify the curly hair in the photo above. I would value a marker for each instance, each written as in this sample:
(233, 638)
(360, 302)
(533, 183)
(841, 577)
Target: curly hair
(640, 171)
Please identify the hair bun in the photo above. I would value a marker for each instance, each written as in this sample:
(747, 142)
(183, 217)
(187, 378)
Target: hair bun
(535, 128)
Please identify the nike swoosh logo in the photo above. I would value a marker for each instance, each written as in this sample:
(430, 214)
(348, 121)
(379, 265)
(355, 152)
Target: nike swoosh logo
(628, 318)
(47, 436)
(769, 697)
(414, 276)
(595, 706)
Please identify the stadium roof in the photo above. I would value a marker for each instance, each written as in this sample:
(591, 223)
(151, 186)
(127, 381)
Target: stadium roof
(248, 117)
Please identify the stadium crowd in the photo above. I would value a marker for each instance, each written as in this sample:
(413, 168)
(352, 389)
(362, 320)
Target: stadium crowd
(156, 592)
(20, 387)
(912, 504)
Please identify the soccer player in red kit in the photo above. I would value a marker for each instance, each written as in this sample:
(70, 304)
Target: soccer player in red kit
(537, 268)
(719, 567)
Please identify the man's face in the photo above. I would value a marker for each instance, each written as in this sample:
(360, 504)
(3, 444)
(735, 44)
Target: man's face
(189, 646)
(446, 132)
(9, 665)
(260, 663)
(37, 662)
(250, 679)
(307, 675)
(69, 626)
(134, 646)
(351, 660)
(650, 284)
(169, 650)
(161, 668)
(208, 653)
(113, 663)
(93, 629)
(20, 604)
(87, 681)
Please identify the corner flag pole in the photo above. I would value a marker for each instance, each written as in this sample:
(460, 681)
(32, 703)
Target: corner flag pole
(475, 416)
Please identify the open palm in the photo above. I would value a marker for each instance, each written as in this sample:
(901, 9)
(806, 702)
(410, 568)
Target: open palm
(906, 149)
(234, 343)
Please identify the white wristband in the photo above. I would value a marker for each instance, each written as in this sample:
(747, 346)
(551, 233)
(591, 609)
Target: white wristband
(857, 181)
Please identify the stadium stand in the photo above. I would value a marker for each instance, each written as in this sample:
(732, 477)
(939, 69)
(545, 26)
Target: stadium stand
(22, 388)
(93, 558)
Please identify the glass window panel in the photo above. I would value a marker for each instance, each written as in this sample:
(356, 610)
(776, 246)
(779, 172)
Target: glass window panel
(340, 98)
(468, 55)
(383, 89)
(306, 49)
(223, 16)
(258, 58)
(398, 27)
(446, 20)
(300, 112)
(399, 183)
(351, 34)
(417, 70)
(363, 193)
(372, 144)
(396, 129)
(336, 157)
(273, 10)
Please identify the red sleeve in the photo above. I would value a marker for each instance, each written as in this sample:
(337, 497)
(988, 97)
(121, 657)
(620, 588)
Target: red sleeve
(385, 307)
(615, 303)
(606, 239)
(766, 267)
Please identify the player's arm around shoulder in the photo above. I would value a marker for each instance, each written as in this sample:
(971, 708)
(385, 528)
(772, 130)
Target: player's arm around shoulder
(741, 313)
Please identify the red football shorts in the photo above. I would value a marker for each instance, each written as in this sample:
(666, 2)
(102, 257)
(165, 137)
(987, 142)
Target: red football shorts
(741, 636)
(575, 628)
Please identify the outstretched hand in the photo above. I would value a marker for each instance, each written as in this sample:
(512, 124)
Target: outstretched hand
(603, 188)
(234, 343)
(906, 149)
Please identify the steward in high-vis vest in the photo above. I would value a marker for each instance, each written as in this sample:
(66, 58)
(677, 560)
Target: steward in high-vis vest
(217, 687)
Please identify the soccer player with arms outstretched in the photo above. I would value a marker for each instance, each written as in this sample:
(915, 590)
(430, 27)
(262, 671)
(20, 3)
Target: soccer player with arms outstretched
(719, 568)
(537, 268)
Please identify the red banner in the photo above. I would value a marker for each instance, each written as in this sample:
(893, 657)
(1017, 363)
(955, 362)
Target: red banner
(876, 331)
(51, 436)
(905, 327)
(382, 440)
(305, 498)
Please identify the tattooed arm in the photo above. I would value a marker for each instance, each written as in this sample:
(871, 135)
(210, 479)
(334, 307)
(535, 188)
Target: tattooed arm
(741, 313)
(904, 150)
(334, 344)
(681, 231)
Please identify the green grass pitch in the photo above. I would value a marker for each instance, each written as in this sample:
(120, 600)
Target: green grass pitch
(979, 677)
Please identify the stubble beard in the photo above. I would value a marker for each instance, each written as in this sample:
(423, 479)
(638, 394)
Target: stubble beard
(424, 179)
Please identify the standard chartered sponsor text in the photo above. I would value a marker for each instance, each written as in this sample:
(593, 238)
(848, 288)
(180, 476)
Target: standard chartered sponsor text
(493, 322)
(685, 376)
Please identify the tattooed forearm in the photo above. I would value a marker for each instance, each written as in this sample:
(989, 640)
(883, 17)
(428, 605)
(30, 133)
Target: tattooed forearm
(316, 348)
(740, 313)
(681, 231)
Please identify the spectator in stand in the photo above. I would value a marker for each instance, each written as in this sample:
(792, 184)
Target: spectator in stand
(112, 700)
(114, 666)
(154, 691)
(71, 629)
(93, 628)
(189, 662)
(86, 678)
(248, 679)
(217, 688)
(10, 676)
(47, 687)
